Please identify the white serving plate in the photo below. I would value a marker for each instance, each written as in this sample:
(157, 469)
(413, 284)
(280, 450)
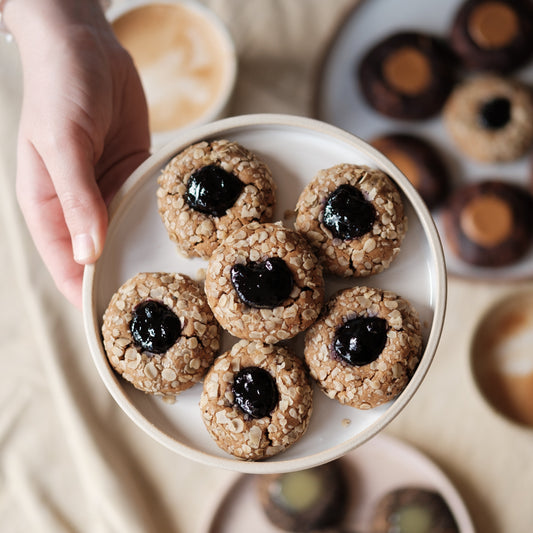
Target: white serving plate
(339, 101)
(374, 469)
(295, 149)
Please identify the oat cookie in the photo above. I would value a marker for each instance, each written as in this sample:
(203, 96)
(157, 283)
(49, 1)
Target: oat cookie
(257, 400)
(490, 118)
(265, 283)
(159, 333)
(211, 189)
(365, 347)
(353, 216)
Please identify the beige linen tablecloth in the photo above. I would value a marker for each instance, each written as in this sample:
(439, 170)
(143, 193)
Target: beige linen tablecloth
(70, 460)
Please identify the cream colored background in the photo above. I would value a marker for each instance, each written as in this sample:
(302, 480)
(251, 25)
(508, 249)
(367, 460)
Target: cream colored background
(70, 460)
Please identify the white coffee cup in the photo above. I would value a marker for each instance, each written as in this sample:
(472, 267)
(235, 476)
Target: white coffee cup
(185, 57)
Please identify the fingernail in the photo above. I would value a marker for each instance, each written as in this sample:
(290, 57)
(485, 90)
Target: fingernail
(83, 248)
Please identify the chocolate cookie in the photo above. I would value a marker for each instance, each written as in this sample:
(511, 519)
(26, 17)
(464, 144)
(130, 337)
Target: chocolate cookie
(159, 333)
(265, 283)
(353, 217)
(493, 35)
(306, 500)
(420, 162)
(407, 75)
(365, 346)
(413, 509)
(257, 400)
(490, 118)
(489, 223)
(211, 189)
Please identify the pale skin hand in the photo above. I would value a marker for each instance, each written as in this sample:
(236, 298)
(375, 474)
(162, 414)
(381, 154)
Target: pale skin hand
(83, 130)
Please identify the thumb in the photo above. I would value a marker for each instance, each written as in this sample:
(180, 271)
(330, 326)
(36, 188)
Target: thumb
(73, 175)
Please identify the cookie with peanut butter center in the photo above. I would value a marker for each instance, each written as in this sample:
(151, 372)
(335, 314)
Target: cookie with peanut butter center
(490, 118)
(211, 189)
(420, 161)
(407, 75)
(264, 282)
(257, 400)
(493, 35)
(365, 347)
(489, 223)
(353, 217)
(159, 332)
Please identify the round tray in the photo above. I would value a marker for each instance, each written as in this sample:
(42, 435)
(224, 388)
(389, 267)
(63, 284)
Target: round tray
(374, 469)
(338, 100)
(295, 149)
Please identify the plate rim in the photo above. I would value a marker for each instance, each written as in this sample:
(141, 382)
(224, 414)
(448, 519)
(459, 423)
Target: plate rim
(277, 464)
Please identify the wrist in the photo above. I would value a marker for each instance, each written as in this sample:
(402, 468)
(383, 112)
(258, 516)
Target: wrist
(21, 18)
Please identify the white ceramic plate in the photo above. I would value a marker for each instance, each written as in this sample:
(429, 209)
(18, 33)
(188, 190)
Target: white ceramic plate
(374, 469)
(295, 149)
(339, 101)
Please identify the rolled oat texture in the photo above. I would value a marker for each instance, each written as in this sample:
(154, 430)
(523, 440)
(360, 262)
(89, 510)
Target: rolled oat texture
(374, 251)
(462, 119)
(258, 242)
(373, 384)
(184, 363)
(196, 233)
(257, 438)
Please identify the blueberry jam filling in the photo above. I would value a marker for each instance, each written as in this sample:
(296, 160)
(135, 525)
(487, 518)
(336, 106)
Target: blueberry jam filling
(495, 113)
(264, 284)
(255, 391)
(154, 327)
(359, 341)
(212, 190)
(347, 214)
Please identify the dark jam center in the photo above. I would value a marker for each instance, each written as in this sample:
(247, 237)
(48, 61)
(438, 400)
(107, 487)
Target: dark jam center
(359, 341)
(255, 391)
(154, 326)
(212, 190)
(347, 214)
(495, 113)
(263, 285)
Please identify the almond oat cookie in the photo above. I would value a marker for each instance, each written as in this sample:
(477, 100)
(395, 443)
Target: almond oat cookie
(353, 216)
(257, 400)
(365, 347)
(490, 118)
(211, 189)
(159, 333)
(265, 283)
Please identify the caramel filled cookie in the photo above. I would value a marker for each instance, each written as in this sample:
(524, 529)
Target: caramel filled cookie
(353, 217)
(159, 333)
(407, 76)
(489, 223)
(365, 346)
(307, 500)
(490, 118)
(211, 189)
(493, 35)
(257, 400)
(413, 509)
(265, 283)
(420, 162)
